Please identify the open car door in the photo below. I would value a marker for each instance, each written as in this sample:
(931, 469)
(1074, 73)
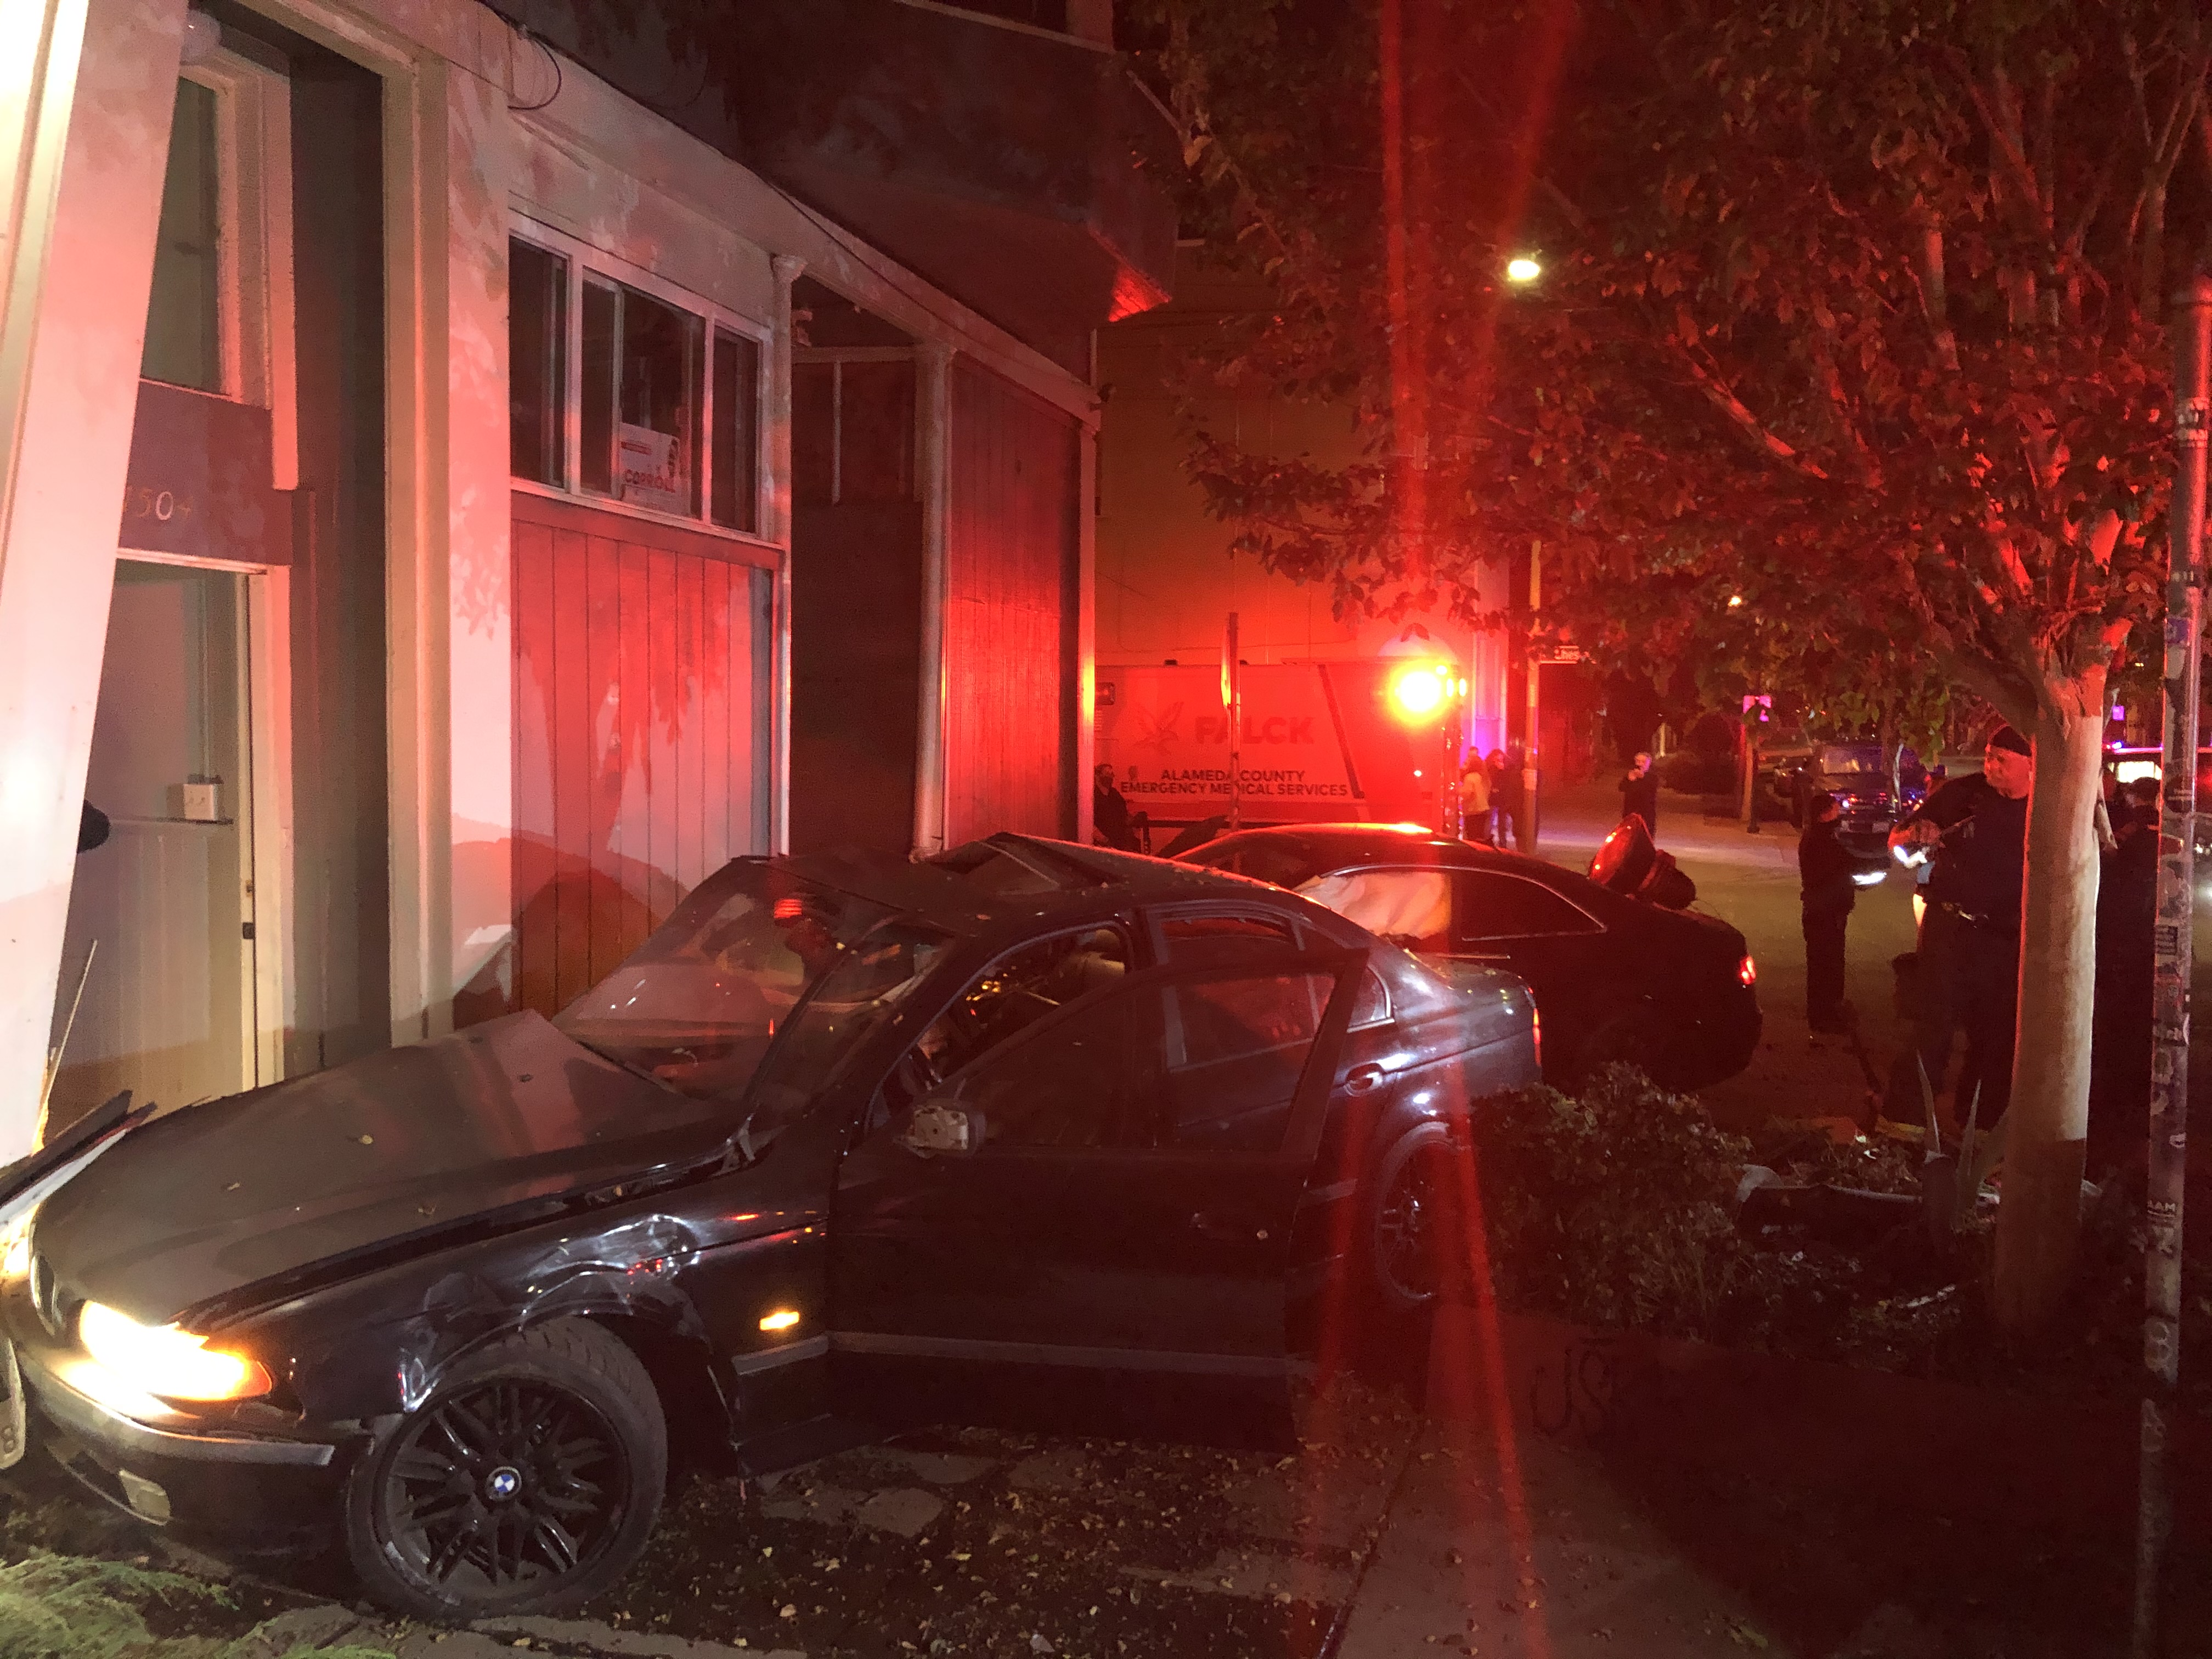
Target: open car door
(1112, 1190)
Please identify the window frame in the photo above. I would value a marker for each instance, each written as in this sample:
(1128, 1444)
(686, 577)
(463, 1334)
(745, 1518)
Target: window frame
(1310, 1097)
(1157, 917)
(1461, 943)
(583, 258)
(255, 347)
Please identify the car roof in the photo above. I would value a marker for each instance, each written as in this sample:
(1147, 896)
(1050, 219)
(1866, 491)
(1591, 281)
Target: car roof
(1006, 878)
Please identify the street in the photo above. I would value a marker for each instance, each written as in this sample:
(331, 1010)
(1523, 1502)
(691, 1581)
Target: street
(1751, 882)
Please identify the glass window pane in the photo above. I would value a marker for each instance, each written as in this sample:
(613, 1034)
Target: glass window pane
(537, 350)
(1493, 907)
(602, 305)
(183, 342)
(1411, 908)
(1225, 941)
(656, 412)
(736, 431)
(1213, 1065)
(1006, 999)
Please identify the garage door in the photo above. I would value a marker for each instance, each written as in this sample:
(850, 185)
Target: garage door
(642, 704)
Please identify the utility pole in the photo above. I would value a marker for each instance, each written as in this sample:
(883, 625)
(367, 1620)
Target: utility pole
(2169, 1065)
(1232, 702)
(1528, 824)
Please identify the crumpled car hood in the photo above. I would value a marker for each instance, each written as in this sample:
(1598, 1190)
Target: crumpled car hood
(215, 1197)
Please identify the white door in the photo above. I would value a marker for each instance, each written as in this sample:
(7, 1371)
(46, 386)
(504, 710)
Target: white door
(163, 910)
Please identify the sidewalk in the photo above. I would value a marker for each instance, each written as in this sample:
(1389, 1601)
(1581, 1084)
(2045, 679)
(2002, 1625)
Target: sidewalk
(1577, 1495)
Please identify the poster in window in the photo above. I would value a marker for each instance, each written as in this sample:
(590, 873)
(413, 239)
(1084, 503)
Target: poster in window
(653, 471)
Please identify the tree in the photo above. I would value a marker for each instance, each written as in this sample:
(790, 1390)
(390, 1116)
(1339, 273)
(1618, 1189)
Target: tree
(1851, 310)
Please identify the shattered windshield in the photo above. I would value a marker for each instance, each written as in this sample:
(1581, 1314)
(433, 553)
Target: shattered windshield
(695, 1006)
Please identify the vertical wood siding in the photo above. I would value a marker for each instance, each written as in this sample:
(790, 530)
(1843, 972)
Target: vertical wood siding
(1011, 611)
(641, 759)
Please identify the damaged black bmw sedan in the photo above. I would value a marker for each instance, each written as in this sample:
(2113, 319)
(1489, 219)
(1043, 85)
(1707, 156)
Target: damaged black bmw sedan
(1027, 1107)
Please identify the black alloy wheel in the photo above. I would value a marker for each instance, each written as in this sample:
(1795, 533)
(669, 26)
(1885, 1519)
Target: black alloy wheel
(1414, 1234)
(528, 1482)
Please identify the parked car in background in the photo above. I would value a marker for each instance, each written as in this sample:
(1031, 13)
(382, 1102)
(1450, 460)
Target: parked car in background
(1671, 991)
(1026, 1107)
(1874, 799)
(1849, 769)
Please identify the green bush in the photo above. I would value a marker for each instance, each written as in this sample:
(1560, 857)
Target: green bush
(1615, 1209)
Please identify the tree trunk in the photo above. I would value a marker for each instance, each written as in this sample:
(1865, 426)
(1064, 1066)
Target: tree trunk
(2048, 1122)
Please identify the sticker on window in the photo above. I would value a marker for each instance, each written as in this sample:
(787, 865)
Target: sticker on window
(653, 471)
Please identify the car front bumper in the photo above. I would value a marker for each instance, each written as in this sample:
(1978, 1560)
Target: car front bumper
(248, 1490)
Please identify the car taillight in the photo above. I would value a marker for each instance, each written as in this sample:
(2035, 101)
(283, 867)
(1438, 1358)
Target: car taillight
(1536, 1032)
(1747, 971)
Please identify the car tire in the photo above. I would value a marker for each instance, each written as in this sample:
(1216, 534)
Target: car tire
(1411, 1230)
(527, 1482)
(1630, 1036)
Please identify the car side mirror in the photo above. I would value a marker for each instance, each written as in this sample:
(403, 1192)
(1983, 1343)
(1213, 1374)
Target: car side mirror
(940, 1124)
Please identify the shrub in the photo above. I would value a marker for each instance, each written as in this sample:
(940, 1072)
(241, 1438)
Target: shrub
(60, 1607)
(1615, 1209)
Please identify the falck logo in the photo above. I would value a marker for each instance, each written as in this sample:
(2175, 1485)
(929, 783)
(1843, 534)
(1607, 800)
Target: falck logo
(1155, 729)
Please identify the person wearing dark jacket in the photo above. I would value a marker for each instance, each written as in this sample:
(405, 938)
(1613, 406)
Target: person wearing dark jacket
(1825, 870)
(1109, 812)
(1975, 827)
(1639, 794)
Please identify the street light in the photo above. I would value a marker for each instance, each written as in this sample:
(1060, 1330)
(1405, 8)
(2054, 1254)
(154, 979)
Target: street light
(1523, 269)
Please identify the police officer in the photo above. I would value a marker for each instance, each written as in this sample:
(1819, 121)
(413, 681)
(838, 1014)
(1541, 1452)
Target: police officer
(1829, 895)
(1975, 828)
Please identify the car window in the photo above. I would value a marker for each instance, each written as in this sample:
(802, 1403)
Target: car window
(1411, 908)
(1008, 997)
(1283, 866)
(698, 1004)
(1212, 1065)
(1372, 1005)
(1495, 906)
(1223, 941)
(870, 980)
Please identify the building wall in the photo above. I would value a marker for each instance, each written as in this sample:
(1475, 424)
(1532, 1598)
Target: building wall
(1011, 611)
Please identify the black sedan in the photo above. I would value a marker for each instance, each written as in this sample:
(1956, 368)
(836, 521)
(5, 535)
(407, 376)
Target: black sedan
(1027, 1108)
(1873, 802)
(1616, 978)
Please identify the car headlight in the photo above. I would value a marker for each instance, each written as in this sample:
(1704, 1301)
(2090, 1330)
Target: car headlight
(166, 1362)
